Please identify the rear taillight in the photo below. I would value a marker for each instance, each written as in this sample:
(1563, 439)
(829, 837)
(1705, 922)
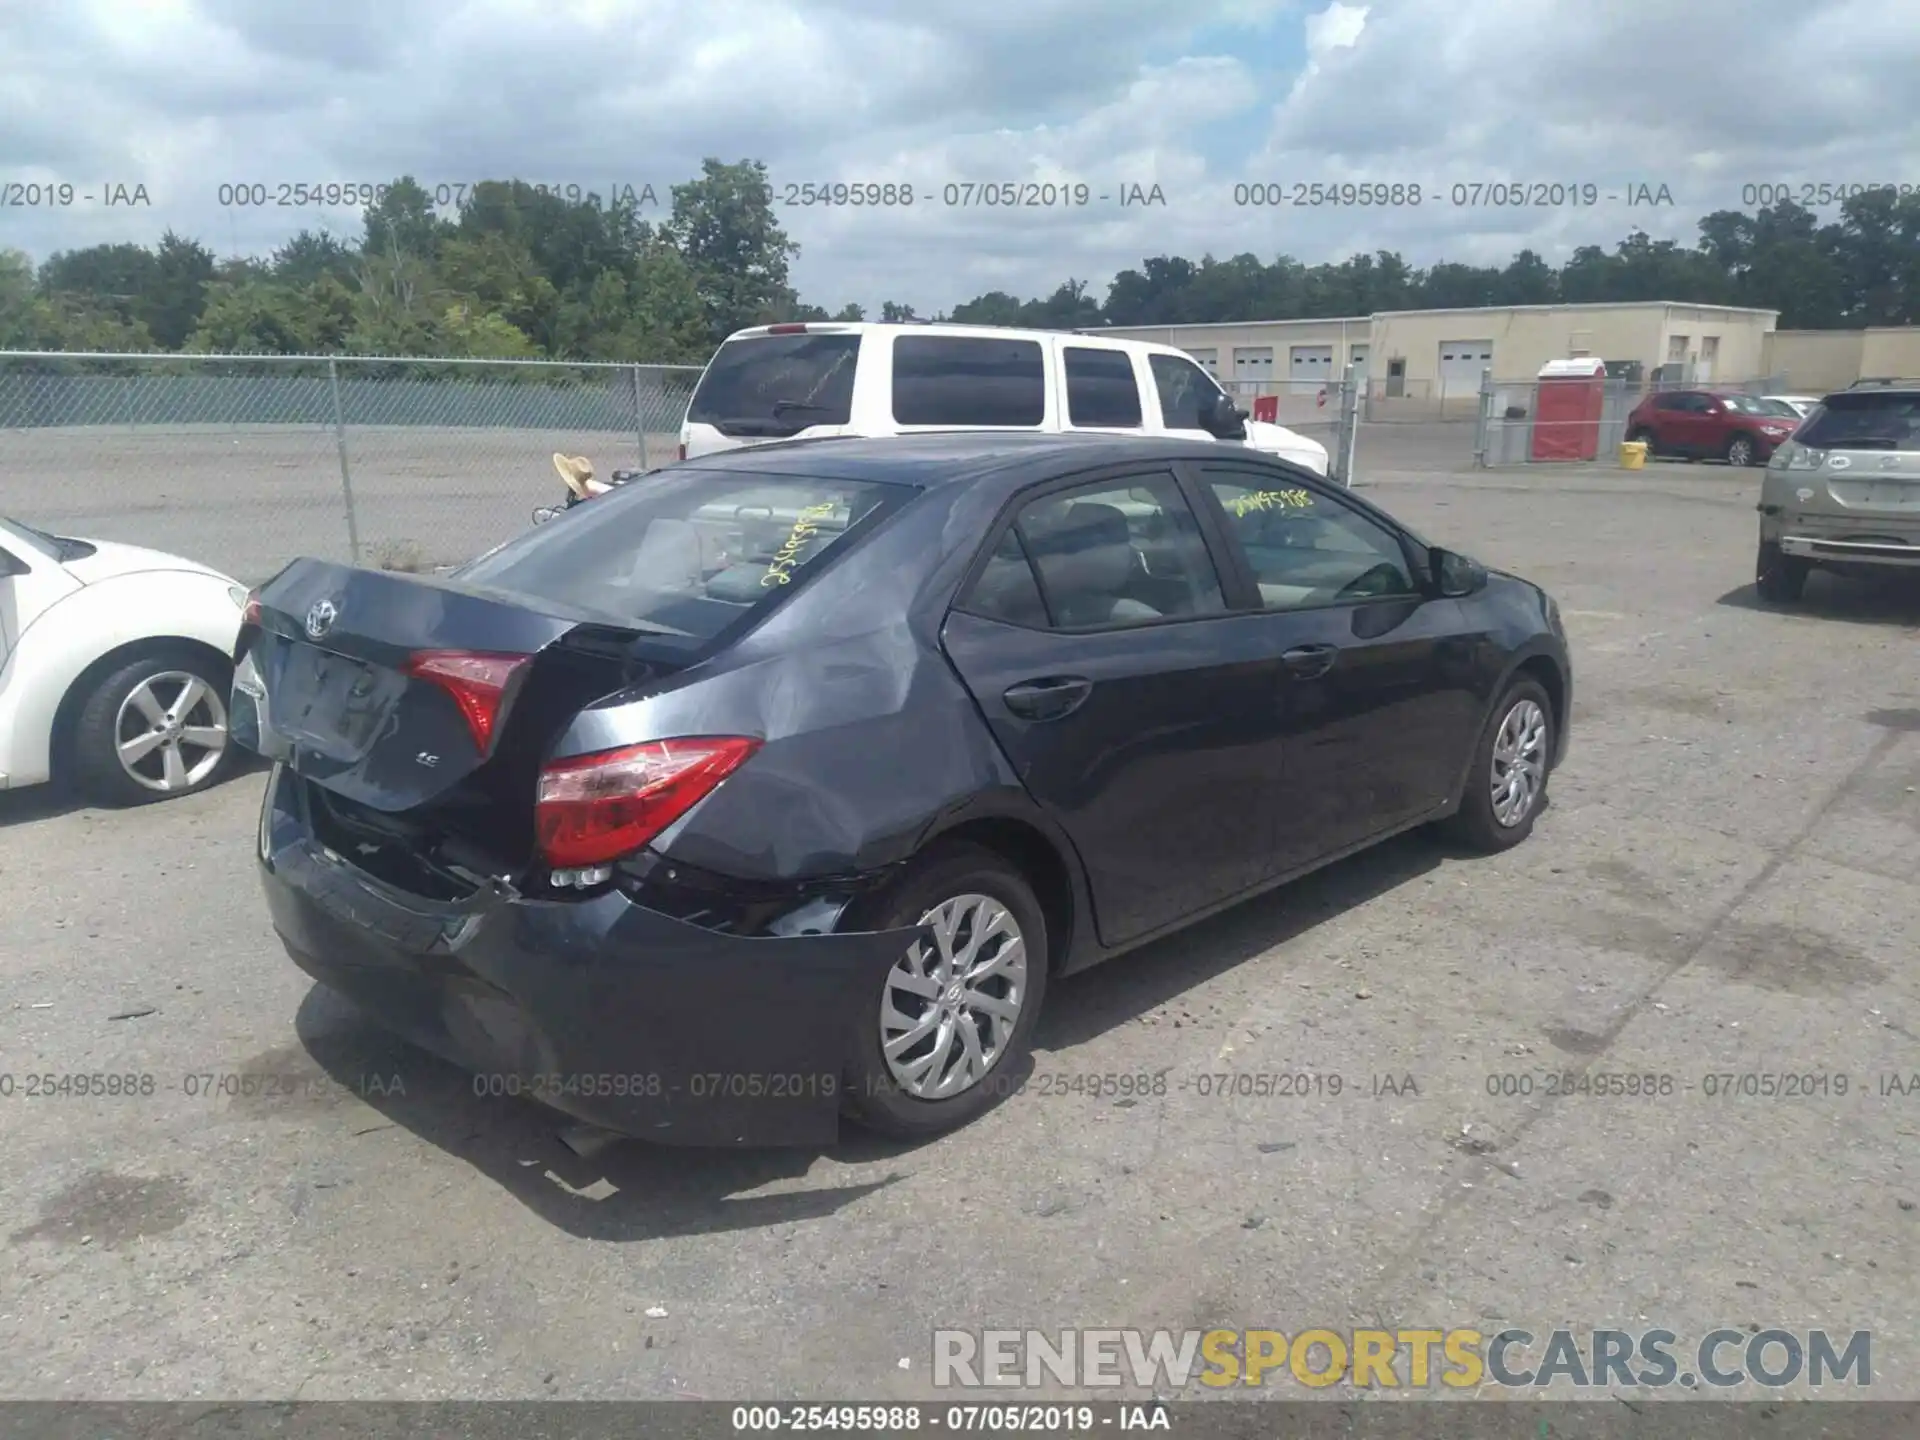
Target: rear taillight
(595, 808)
(683, 451)
(477, 681)
(786, 329)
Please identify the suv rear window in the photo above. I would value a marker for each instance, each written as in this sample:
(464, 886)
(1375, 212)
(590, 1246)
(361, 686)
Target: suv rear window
(968, 380)
(777, 384)
(687, 552)
(1865, 420)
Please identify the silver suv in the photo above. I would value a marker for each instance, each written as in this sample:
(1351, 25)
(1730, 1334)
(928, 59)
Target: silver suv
(1844, 493)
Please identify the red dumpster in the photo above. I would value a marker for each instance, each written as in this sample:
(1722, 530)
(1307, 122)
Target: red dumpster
(1569, 396)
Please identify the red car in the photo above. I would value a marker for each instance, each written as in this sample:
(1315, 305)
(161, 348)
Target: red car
(1700, 425)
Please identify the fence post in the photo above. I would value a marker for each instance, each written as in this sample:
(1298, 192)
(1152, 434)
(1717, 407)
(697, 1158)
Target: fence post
(639, 418)
(346, 468)
(1349, 423)
(1483, 418)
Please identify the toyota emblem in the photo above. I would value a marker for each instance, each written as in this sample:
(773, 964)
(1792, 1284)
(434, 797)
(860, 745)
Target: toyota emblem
(320, 618)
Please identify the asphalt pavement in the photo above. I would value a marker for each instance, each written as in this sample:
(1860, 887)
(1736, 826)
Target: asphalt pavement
(1727, 883)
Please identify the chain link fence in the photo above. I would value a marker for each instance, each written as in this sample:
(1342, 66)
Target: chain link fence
(244, 462)
(1326, 411)
(1532, 421)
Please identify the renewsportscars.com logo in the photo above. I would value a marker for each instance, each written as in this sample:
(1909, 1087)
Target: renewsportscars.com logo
(1404, 1359)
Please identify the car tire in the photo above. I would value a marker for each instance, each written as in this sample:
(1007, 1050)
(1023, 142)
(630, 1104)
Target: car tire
(1780, 578)
(1741, 451)
(142, 699)
(1479, 823)
(876, 1097)
(1645, 437)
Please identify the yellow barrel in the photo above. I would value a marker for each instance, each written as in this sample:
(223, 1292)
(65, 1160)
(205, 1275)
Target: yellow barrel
(1633, 455)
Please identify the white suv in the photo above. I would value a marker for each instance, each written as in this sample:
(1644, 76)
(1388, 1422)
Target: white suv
(785, 382)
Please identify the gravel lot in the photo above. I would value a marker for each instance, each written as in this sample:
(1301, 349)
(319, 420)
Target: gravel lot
(1728, 881)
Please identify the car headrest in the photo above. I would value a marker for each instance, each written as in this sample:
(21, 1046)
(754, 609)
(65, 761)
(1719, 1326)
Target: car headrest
(1085, 552)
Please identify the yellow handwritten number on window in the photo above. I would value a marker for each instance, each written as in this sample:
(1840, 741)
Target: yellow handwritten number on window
(780, 568)
(1271, 500)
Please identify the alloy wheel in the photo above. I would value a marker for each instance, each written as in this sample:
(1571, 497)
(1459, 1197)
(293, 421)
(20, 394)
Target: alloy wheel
(950, 1007)
(1740, 452)
(1519, 768)
(171, 732)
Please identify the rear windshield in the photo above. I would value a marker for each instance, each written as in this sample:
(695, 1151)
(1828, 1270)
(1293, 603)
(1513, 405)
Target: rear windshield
(777, 384)
(686, 552)
(1864, 420)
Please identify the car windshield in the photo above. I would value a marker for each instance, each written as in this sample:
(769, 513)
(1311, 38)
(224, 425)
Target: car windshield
(1780, 408)
(777, 385)
(1748, 405)
(1864, 421)
(687, 552)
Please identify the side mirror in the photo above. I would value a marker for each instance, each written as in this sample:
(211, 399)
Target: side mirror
(1454, 575)
(1222, 419)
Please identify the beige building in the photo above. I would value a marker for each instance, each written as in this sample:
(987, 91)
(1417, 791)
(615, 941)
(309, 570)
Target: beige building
(1272, 355)
(1813, 361)
(1418, 357)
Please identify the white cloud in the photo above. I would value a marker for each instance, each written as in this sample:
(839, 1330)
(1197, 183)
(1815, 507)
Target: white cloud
(185, 96)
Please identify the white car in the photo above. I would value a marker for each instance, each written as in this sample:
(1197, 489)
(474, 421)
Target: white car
(787, 382)
(115, 663)
(1801, 405)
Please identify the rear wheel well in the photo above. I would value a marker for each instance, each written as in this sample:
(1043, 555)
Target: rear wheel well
(1034, 856)
(1542, 670)
(83, 684)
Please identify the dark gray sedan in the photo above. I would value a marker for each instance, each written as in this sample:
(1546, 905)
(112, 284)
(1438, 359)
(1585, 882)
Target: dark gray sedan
(776, 786)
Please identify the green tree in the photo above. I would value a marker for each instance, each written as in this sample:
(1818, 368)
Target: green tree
(482, 335)
(725, 227)
(177, 293)
(116, 277)
(20, 303)
(268, 317)
(310, 255)
(403, 222)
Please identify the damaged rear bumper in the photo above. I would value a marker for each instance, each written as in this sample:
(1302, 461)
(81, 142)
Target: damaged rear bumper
(613, 1013)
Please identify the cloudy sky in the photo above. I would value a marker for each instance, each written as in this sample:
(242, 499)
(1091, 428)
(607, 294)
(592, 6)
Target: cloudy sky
(1197, 97)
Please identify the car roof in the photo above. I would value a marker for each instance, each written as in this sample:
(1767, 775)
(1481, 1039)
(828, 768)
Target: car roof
(926, 459)
(955, 328)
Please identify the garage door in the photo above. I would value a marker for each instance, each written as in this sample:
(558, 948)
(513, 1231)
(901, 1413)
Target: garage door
(1253, 365)
(1461, 362)
(1357, 356)
(1309, 367)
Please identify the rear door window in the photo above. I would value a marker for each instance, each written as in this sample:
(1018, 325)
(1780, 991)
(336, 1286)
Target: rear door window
(969, 380)
(690, 551)
(777, 385)
(1102, 392)
(1119, 553)
(1864, 420)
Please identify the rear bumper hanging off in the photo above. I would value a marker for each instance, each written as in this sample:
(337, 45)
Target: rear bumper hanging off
(613, 1013)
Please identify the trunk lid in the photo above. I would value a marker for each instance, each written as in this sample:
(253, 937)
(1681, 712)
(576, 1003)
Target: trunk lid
(399, 693)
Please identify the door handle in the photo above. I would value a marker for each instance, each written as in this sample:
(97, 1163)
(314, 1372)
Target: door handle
(1048, 699)
(1309, 662)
